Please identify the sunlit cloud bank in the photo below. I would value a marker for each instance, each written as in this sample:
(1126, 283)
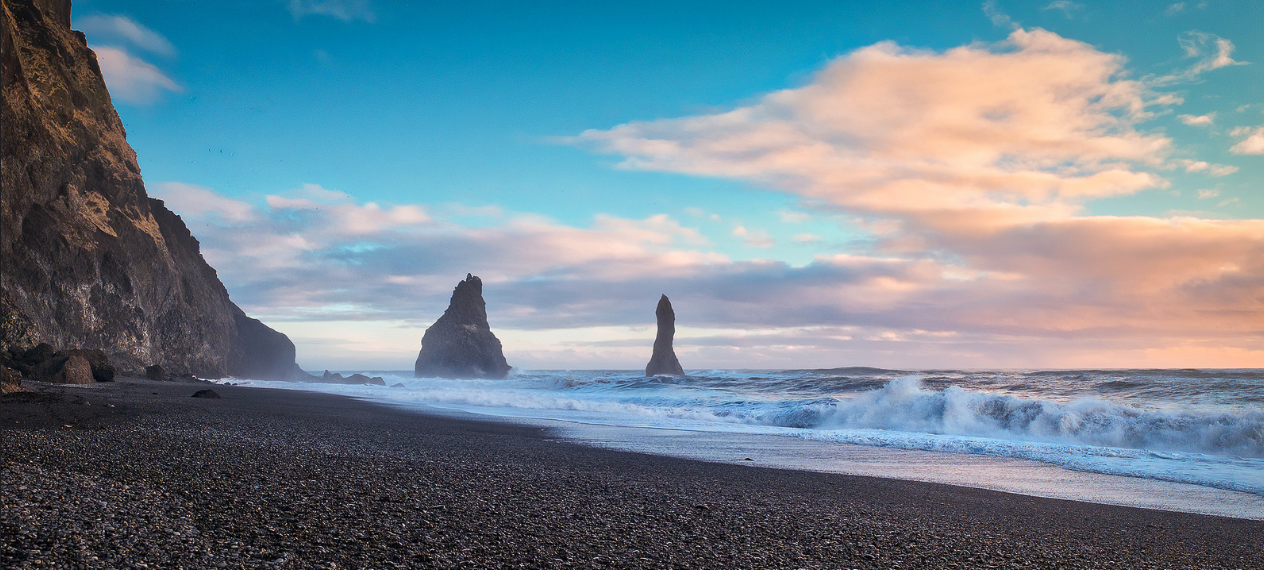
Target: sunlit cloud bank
(967, 172)
(978, 163)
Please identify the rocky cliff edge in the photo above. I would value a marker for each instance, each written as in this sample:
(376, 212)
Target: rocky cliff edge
(87, 259)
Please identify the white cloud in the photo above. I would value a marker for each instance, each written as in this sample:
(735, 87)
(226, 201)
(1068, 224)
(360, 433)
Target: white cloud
(345, 10)
(113, 28)
(1197, 120)
(1207, 193)
(1175, 8)
(807, 238)
(1252, 143)
(1222, 169)
(1209, 168)
(132, 79)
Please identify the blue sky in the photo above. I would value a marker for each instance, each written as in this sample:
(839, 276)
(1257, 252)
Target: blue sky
(905, 184)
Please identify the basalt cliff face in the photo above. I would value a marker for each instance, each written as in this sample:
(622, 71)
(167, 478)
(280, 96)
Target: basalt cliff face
(87, 259)
(461, 344)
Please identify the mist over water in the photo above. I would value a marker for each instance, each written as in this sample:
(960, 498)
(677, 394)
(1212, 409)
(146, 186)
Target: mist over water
(1203, 427)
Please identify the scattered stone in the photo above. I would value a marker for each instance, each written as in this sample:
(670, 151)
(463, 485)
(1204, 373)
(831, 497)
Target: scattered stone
(664, 362)
(461, 344)
(207, 393)
(398, 385)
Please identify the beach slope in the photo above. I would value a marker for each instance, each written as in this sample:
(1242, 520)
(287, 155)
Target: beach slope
(109, 475)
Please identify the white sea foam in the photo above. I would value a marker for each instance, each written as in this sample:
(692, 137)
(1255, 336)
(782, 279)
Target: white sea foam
(1152, 424)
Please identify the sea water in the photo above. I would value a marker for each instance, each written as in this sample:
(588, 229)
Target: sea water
(1181, 439)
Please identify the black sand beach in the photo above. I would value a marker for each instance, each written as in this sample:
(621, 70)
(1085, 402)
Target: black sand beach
(139, 474)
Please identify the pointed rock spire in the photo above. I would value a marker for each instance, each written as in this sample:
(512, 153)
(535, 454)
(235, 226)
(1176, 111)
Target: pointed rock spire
(461, 344)
(664, 362)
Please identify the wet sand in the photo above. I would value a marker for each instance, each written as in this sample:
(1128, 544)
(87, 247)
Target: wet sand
(137, 472)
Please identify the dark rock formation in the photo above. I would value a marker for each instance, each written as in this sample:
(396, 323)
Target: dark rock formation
(398, 385)
(664, 362)
(44, 364)
(156, 372)
(87, 259)
(207, 393)
(461, 344)
(102, 370)
(336, 378)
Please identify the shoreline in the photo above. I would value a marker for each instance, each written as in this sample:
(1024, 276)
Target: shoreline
(280, 478)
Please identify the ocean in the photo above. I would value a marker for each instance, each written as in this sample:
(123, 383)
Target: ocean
(1179, 439)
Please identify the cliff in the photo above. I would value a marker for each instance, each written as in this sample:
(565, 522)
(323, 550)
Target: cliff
(461, 344)
(87, 259)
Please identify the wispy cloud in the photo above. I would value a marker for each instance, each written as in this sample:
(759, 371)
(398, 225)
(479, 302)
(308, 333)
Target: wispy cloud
(1208, 51)
(992, 10)
(131, 79)
(122, 29)
(1066, 6)
(345, 10)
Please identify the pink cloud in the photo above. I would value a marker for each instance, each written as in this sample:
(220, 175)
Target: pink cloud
(1024, 130)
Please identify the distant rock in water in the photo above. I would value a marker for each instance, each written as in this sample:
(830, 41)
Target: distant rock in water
(461, 344)
(336, 378)
(88, 259)
(664, 362)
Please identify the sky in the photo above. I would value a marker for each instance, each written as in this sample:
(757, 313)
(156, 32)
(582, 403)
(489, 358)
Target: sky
(909, 185)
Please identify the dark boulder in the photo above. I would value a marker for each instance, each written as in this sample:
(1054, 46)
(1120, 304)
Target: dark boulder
(664, 362)
(155, 372)
(461, 344)
(207, 393)
(74, 370)
(102, 370)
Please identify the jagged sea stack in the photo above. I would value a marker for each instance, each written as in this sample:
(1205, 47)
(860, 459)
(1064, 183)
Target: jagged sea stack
(664, 360)
(461, 344)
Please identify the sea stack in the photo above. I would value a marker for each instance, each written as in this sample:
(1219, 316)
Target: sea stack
(461, 344)
(664, 360)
